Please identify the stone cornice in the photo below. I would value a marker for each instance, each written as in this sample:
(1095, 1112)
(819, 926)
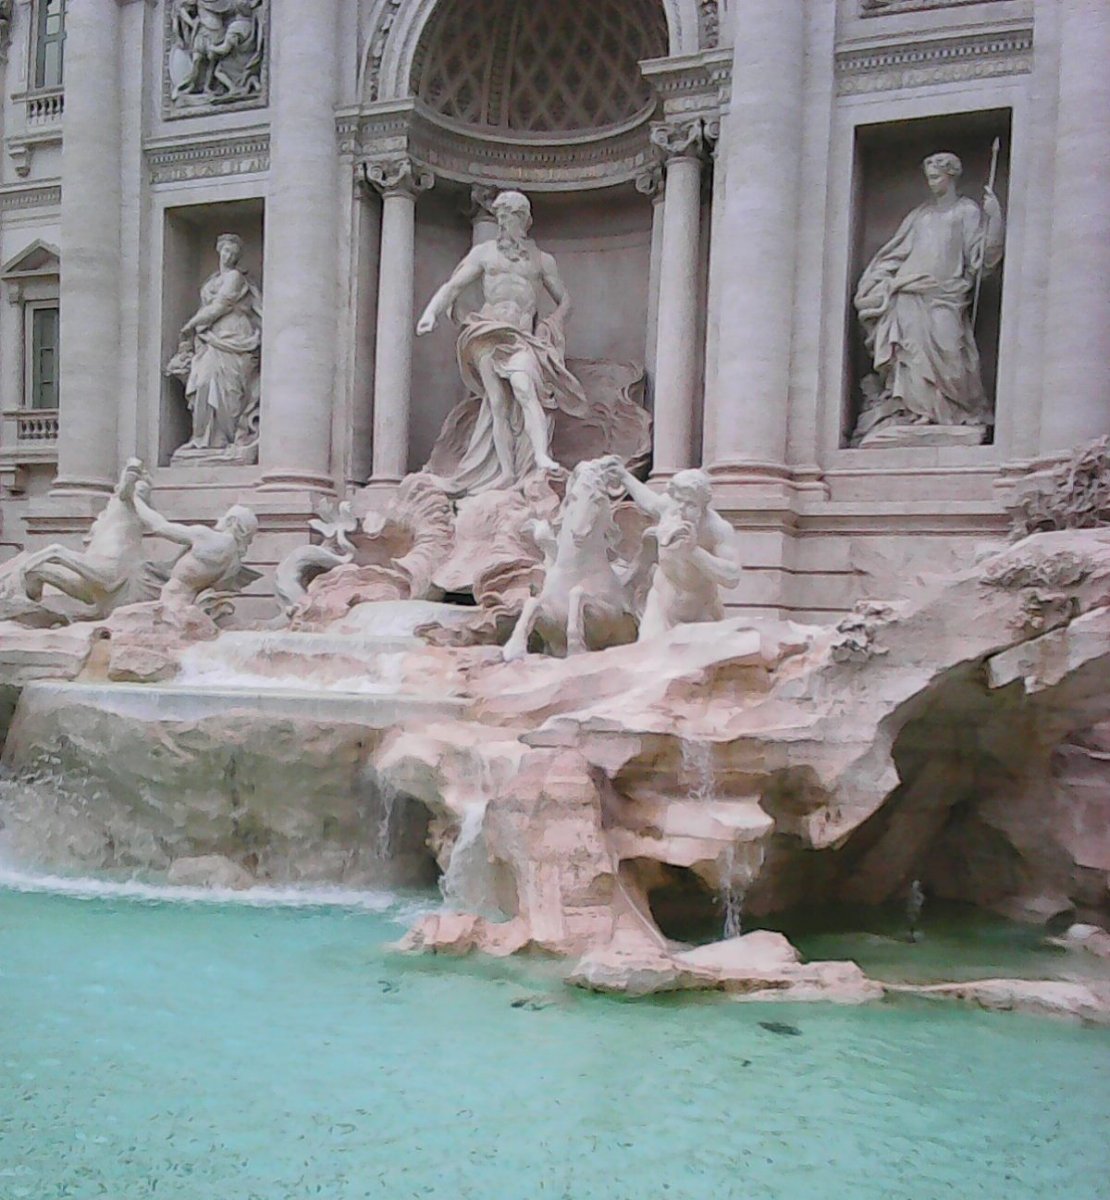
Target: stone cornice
(934, 61)
(243, 153)
(695, 84)
(15, 197)
(886, 8)
(403, 128)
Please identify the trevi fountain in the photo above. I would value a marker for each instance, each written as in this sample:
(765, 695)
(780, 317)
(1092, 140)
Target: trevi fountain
(558, 641)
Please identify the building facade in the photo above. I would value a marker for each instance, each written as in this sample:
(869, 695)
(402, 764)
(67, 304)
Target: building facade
(718, 179)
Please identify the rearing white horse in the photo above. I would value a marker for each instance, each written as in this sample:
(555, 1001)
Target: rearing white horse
(584, 603)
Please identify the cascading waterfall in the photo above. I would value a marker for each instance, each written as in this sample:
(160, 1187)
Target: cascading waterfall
(697, 770)
(383, 832)
(738, 867)
(468, 858)
(732, 895)
(737, 873)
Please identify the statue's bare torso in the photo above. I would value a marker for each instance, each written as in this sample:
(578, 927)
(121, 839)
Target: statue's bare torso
(511, 285)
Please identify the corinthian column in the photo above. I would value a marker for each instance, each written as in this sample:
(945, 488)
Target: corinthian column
(400, 181)
(650, 184)
(90, 341)
(761, 137)
(676, 351)
(1075, 395)
(301, 316)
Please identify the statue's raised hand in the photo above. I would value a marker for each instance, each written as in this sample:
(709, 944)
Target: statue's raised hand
(990, 205)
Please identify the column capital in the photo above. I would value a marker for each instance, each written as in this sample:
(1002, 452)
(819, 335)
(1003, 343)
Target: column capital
(398, 177)
(689, 139)
(651, 182)
(479, 207)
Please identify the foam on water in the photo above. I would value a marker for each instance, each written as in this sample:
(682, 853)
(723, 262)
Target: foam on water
(260, 896)
(295, 662)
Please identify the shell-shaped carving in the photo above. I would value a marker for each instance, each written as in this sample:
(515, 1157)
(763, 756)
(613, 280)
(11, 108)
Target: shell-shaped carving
(413, 535)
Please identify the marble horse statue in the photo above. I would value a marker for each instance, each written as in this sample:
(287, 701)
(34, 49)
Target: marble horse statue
(587, 601)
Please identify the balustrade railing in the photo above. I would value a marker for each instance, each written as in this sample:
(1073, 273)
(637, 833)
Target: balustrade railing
(37, 425)
(45, 108)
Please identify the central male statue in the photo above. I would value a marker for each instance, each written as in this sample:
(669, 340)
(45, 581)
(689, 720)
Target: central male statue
(509, 356)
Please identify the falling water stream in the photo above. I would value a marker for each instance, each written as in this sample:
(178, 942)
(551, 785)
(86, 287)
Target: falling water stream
(738, 865)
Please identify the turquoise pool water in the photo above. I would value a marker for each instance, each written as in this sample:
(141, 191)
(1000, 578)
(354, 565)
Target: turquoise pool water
(220, 1051)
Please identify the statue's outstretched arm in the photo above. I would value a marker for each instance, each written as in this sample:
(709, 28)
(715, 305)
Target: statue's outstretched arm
(160, 526)
(720, 570)
(723, 561)
(618, 475)
(231, 292)
(467, 272)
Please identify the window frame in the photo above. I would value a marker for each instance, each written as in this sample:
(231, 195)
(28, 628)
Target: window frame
(40, 39)
(30, 355)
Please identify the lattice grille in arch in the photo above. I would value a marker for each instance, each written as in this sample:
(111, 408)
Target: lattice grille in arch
(539, 66)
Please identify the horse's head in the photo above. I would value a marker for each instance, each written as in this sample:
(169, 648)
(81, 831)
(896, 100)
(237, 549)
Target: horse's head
(586, 511)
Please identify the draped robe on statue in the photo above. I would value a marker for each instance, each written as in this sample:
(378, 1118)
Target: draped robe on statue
(541, 354)
(223, 384)
(914, 301)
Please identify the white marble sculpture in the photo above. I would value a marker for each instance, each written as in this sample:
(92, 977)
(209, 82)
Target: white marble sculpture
(586, 602)
(218, 362)
(212, 563)
(915, 301)
(217, 51)
(110, 571)
(697, 550)
(509, 355)
(298, 568)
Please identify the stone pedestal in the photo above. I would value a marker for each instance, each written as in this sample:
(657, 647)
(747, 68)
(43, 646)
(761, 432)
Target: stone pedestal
(400, 181)
(299, 330)
(90, 312)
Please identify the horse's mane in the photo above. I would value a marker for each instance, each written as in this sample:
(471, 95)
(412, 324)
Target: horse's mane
(590, 475)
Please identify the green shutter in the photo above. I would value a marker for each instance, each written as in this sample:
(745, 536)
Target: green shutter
(44, 352)
(50, 43)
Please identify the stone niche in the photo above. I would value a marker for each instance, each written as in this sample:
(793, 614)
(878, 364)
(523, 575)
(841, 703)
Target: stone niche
(189, 258)
(888, 183)
(602, 242)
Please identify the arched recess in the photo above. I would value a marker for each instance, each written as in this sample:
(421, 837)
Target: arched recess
(396, 26)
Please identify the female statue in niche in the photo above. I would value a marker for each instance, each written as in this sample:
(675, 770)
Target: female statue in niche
(914, 301)
(218, 361)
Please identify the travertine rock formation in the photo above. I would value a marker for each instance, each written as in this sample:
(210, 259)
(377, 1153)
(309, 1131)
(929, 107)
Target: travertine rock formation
(589, 807)
(954, 743)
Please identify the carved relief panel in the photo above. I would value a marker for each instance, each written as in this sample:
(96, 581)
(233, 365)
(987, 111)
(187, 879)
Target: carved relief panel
(217, 56)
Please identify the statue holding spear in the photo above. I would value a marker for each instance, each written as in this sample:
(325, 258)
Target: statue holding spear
(918, 300)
